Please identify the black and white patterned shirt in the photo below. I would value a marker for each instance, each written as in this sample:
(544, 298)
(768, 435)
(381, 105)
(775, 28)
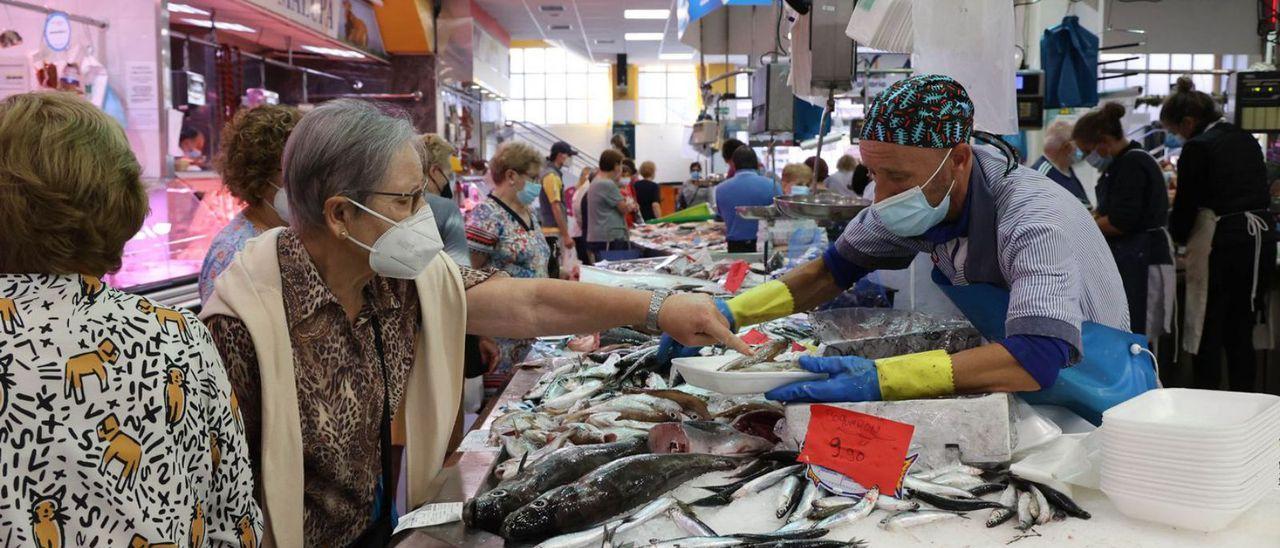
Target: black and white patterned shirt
(117, 423)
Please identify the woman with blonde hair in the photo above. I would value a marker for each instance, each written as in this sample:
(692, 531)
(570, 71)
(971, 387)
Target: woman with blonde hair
(796, 179)
(351, 314)
(117, 417)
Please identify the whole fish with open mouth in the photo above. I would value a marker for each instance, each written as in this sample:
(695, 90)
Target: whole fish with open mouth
(608, 491)
(715, 438)
(767, 354)
(488, 510)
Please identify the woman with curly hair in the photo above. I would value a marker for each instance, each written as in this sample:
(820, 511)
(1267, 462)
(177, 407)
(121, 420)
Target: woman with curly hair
(249, 162)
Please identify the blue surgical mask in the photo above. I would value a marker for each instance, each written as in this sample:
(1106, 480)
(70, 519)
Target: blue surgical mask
(1098, 161)
(695, 176)
(529, 193)
(1076, 156)
(799, 190)
(909, 213)
(1172, 141)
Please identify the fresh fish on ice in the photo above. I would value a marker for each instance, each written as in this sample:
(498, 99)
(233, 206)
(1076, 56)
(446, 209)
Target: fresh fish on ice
(714, 438)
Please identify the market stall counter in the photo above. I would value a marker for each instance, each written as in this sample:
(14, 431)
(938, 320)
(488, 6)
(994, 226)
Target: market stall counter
(608, 446)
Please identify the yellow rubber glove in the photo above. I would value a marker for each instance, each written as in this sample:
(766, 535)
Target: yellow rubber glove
(915, 376)
(767, 301)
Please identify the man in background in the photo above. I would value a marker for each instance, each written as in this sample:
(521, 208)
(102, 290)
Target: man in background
(1059, 154)
(555, 224)
(746, 188)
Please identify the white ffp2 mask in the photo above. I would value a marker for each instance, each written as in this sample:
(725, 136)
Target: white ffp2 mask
(404, 250)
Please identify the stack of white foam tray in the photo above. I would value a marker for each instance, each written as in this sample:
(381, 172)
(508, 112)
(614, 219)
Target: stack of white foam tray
(1196, 459)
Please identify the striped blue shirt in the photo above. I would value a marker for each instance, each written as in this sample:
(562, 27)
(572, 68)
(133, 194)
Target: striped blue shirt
(1026, 233)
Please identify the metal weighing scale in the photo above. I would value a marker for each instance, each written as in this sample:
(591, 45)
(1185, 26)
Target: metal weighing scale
(830, 211)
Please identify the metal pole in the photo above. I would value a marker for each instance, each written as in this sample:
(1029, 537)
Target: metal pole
(77, 18)
(267, 60)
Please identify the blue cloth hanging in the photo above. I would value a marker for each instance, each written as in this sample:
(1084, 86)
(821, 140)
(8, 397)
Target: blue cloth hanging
(1069, 58)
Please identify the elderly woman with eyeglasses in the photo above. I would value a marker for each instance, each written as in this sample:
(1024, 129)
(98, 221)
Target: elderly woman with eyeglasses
(351, 314)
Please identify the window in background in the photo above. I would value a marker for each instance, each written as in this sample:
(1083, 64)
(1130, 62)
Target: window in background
(667, 94)
(554, 86)
(1158, 85)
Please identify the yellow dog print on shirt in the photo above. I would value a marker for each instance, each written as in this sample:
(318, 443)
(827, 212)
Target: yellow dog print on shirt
(90, 363)
(120, 447)
(10, 319)
(165, 316)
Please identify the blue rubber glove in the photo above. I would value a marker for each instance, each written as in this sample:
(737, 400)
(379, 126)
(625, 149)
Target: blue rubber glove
(668, 348)
(850, 379)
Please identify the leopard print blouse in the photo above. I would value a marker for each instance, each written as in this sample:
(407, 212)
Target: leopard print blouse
(118, 426)
(339, 382)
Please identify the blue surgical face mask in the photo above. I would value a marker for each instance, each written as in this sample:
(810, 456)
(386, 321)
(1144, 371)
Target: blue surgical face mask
(909, 214)
(695, 175)
(529, 192)
(1098, 161)
(1172, 140)
(1076, 156)
(799, 190)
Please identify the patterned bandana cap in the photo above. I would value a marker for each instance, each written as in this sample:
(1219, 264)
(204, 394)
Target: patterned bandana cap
(930, 111)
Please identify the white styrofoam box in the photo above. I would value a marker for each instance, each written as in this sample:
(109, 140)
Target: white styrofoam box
(980, 427)
(1186, 411)
(1262, 479)
(1187, 451)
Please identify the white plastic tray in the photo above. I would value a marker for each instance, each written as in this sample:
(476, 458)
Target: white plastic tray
(1221, 496)
(1174, 511)
(1262, 471)
(701, 372)
(1186, 457)
(1267, 431)
(1189, 449)
(1179, 411)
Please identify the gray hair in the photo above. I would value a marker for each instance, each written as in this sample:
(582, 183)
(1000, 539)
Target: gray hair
(1057, 134)
(344, 147)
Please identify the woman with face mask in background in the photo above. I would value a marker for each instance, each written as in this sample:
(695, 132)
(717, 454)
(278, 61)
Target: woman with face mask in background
(350, 314)
(1220, 213)
(249, 164)
(1132, 212)
(796, 179)
(695, 189)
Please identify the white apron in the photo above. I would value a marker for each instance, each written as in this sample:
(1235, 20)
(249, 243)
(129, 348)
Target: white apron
(1199, 247)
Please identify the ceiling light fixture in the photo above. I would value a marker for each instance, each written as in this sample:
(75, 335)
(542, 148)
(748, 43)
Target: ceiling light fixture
(605, 41)
(560, 27)
(221, 25)
(334, 52)
(643, 36)
(646, 14)
(550, 8)
(675, 56)
(183, 8)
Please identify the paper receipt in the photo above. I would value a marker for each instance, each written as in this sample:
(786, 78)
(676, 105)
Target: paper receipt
(430, 514)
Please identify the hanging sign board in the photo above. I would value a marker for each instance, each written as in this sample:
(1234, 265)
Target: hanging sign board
(318, 15)
(57, 31)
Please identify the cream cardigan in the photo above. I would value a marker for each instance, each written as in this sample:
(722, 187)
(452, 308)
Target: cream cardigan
(250, 290)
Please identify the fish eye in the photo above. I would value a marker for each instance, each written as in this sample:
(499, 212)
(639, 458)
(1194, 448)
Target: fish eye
(498, 492)
(539, 503)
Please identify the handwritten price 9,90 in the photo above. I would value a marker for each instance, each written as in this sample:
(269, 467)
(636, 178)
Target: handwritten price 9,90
(844, 452)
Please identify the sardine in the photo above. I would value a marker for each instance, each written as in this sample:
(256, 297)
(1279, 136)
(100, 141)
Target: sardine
(1042, 504)
(788, 496)
(893, 504)
(715, 438)
(1060, 500)
(958, 480)
(916, 484)
(766, 481)
(581, 433)
(799, 534)
(688, 521)
(955, 468)
(829, 502)
(691, 404)
(954, 505)
(1025, 519)
(854, 513)
(1008, 507)
(811, 493)
(904, 520)
(770, 367)
(824, 513)
(768, 353)
(696, 542)
(613, 419)
(488, 510)
(986, 489)
(609, 490)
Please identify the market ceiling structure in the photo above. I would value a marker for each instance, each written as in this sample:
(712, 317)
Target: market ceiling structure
(596, 29)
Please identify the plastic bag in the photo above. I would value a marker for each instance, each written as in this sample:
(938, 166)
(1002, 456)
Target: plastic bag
(885, 25)
(981, 58)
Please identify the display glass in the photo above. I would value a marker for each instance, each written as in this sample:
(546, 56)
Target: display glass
(185, 215)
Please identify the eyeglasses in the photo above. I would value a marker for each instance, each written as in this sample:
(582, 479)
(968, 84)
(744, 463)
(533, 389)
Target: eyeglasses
(419, 197)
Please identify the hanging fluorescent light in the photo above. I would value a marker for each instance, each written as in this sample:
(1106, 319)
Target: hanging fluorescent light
(334, 52)
(183, 8)
(646, 14)
(675, 56)
(221, 25)
(643, 36)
